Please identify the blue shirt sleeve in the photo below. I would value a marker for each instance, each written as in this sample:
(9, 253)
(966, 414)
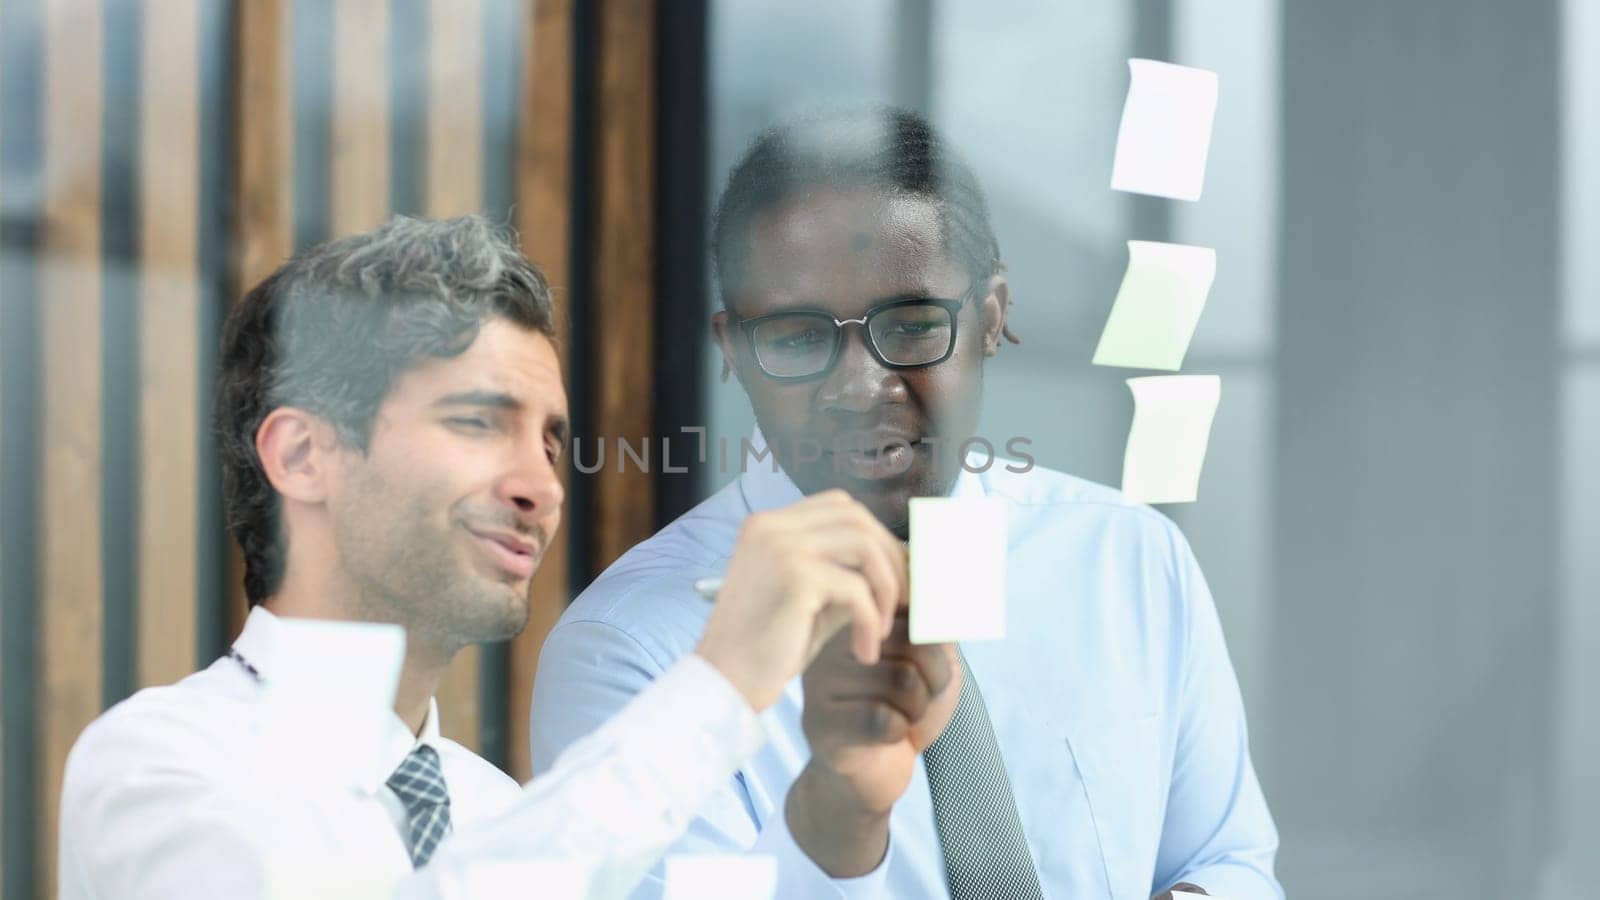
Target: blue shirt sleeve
(588, 671)
(1218, 833)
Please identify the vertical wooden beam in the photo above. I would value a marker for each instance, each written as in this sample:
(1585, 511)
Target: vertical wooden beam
(455, 187)
(359, 175)
(265, 124)
(169, 335)
(623, 266)
(455, 108)
(71, 592)
(264, 223)
(544, 220)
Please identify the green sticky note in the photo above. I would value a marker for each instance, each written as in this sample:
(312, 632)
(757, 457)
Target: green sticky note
(1158, 306)
(1172, 417)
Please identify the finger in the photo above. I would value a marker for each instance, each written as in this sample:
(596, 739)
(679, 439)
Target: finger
(845, 542)
(829, 621)
(900, 629)
(893, 553)
(849, 596)
(835, 520)
(897, 682)
(858, 539)
(887, 575)
(861, 721)
(843, 531)
(866, 630)
(902, 557)
(936, 662)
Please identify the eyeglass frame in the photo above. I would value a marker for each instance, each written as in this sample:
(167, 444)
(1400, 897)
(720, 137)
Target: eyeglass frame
(953, 307)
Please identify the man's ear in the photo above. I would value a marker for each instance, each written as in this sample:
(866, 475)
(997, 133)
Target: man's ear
(722, 330)
(994, 309)
(297, 450)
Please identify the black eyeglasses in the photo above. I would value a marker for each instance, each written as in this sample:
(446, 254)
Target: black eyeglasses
(906, 333)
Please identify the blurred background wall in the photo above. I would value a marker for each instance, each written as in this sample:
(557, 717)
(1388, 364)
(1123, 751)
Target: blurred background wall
(1399, 511)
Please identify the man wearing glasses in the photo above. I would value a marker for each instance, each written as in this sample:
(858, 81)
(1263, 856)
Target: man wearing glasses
(1099, 751)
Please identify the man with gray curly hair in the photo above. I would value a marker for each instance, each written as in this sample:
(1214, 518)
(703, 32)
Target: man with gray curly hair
(391, 417)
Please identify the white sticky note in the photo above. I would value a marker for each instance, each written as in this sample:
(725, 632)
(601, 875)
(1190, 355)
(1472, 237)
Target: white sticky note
(336, 702)
(1181, 895)
(1172, 417)
(721, 877)
(294, 871)
(566, 879)
(958, 569)
(1158, 306)
(1166, 130)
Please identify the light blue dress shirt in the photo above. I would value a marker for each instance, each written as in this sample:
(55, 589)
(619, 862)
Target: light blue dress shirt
(1112, 697)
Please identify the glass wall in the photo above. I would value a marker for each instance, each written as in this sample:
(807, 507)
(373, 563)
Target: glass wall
(1575, 830)
(1398, 509)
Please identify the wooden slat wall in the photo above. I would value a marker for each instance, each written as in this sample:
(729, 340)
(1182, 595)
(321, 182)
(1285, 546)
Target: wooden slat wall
(169, 335)
(454, 178)
(360, 153)
(622, 369)
(264, 204)
(172, 310)
(71, 590)
(264, 120)
(544, 198)
(455, 108)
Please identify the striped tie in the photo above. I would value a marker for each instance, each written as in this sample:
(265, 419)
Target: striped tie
(985, 854)
(419, 782)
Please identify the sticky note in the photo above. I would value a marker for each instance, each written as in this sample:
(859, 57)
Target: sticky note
(1157, 307)
(958, 569)
(571, 878)
(336, 702)
(292, 870)
(721, 877)
(1167, 444)
(1185, 895)
(1166, 130)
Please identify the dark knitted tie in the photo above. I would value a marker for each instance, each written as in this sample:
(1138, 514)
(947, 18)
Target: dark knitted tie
(419, 782)
(986, 856)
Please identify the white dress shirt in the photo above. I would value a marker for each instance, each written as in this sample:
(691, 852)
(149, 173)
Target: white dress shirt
(1112, 699)
(176, 793)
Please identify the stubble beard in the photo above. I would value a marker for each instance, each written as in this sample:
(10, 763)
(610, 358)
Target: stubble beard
(412, 574)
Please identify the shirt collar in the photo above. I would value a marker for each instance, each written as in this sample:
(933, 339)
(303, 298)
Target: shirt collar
(398, 742)
(766, 486)
(268, 646)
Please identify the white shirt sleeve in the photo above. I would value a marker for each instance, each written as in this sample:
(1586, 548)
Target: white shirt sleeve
(144, 816)
(588, 672)
(621, 796)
